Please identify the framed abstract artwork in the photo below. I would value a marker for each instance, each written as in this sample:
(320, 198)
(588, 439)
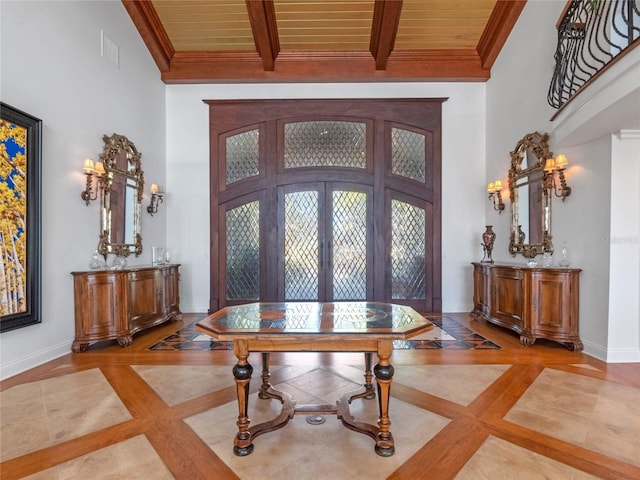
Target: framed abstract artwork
(20, 185)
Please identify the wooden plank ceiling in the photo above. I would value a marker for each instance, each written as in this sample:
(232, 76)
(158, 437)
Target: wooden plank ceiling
(214, 41)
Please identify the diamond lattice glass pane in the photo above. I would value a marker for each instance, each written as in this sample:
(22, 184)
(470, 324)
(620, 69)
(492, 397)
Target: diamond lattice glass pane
(243, 252)
(408, 154)
(243, 156)
(325, 144)
(301, 246)
(349, 245)
(407, 251)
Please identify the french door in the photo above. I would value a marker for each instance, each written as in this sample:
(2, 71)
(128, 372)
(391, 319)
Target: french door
(326, 252)
(325, 201)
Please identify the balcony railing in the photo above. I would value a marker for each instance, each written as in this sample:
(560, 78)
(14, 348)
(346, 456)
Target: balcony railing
(591, 34)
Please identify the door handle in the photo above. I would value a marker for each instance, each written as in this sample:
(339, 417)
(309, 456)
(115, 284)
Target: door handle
(321, 254)
(329, 247)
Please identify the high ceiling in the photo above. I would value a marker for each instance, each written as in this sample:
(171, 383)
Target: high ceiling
(210, 41)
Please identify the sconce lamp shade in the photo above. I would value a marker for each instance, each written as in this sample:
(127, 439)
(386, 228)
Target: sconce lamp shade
(550, 165)
(561, 161)
(92, 170)
(494, 189)
(99, 169)
(555, 168)
(156, 199)
(88, 166)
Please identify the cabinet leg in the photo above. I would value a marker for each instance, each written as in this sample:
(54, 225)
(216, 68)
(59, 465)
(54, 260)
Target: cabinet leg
(527, 340)
(78, 347)
(125, 341)
(575, 346)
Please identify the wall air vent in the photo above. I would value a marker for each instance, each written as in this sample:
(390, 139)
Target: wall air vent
(109, 49)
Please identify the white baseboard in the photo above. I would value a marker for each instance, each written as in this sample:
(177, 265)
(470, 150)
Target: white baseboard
(194, 308)
(593, 350)
(623, 356)
(611, 356)
(33, 359)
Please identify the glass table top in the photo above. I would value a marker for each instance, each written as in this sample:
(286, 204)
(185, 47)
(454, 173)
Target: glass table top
(315, 318)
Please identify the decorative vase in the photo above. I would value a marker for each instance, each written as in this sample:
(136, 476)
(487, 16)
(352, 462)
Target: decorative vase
(119, 263)
(488, 237)
(96, 263)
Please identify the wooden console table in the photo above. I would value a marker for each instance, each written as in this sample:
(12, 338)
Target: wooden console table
(534, 302)
(314, 327)
(115, 304)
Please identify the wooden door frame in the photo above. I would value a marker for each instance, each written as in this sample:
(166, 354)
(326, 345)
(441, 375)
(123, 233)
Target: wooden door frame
(233, 115)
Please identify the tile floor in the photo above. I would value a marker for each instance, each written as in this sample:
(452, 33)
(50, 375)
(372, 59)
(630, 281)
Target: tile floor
(511, 413)
(597, 415)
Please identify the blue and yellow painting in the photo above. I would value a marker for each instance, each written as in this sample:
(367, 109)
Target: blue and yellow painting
(13, 221)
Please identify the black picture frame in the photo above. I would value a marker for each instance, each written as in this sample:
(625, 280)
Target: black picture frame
(30, 313)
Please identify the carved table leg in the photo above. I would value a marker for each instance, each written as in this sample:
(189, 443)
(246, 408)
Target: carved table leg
(242, 373)
(266, 389)
(265, 386)
(368, 393)
(384, 374)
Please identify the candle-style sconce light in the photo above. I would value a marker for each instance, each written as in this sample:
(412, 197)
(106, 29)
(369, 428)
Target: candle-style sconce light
(156, 199)
(495, 195)
(92, 171)
(557, 167)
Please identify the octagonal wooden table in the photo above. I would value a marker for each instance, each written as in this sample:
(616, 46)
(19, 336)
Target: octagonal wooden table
(367, 327)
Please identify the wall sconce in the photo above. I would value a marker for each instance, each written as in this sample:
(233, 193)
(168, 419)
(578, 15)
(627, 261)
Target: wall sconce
(494, 189)
(92, 170)
(558, 166)
(156, 199)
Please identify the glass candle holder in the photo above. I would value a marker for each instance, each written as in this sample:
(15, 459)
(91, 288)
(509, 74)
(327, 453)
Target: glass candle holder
(157, 256)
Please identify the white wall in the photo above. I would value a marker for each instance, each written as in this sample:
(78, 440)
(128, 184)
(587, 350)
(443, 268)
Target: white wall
(52, 68)
(624, 249)
(517, 104)
(55, 71)
(463, 131)
(582, 223)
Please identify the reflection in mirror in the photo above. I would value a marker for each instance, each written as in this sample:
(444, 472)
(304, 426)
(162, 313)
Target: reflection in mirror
(121, 197)
(530, 201)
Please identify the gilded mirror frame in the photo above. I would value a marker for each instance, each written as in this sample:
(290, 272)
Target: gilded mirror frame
(523, 172)
(122, 166)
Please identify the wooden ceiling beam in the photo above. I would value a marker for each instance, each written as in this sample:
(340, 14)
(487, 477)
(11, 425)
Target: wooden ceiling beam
(502, 20)
(146, 20)
(381, 64)
(384, 27)
(309, 66)
(262, 16)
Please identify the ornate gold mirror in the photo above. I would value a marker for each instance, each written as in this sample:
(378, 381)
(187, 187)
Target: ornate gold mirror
(121, 199)
(530, 200)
